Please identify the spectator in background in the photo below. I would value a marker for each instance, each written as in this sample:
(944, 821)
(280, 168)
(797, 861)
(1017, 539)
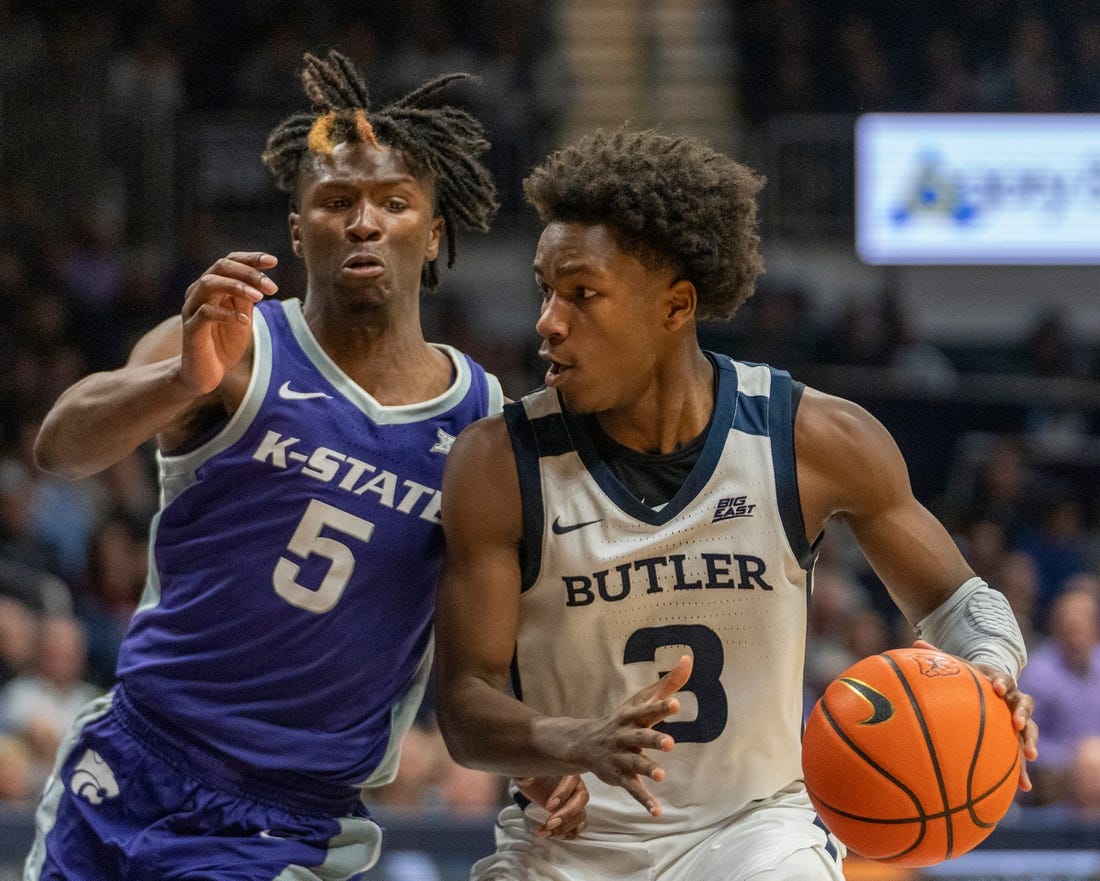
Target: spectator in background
(1050, 348)
(265, 81)
(18, 539)
(42, 702)
(1083, 87)
(89, 267)
(876, 332)
(773, 327)
(523, 95)
(18, 781)
(1080, 803)
(18, 629)
(1035, 71)
(429, 780)
(866, 76)
(1063, 676)
(778, 41)
(1084, 788)
(145, 94)
(1018, 578)
(108, 595)
(994, 481)
(836, 600)
(1059, 543)
(983, 545)
(947, 81)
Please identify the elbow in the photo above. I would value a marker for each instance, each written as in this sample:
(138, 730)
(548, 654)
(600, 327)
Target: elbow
(49, 457)
(453, 733)
(45, 456)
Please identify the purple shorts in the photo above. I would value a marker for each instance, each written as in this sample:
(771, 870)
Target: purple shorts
(127, 803)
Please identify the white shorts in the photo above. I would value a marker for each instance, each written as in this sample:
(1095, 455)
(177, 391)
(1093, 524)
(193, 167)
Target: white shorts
(773, 840)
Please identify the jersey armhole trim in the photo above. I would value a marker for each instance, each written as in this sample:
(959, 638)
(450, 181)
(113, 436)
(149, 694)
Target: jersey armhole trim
(525, 449)
(783, 401)
(174, 469)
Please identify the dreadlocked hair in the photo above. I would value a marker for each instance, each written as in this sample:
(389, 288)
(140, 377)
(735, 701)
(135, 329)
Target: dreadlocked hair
(670, 201)
(443, 143)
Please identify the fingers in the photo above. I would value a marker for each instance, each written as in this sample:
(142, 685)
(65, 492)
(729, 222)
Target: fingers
(637, 788)
(568, 805)
(231, 286)
(676, 678)
(654, 702)
(1021, 705)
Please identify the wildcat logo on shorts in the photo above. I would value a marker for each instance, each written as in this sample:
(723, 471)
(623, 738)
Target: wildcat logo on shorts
(736, 506)
(93, 779)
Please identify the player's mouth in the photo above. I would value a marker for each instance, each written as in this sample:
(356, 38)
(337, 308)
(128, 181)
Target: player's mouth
(363, 265)
(555, 371)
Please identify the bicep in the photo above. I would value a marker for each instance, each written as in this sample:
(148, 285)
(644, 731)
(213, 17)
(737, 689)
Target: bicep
(158, 344)
(853, 470)
(479, 589)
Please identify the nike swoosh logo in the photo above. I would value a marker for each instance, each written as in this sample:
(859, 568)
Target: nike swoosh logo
(558, 529)
(289, 394)
(881, 708)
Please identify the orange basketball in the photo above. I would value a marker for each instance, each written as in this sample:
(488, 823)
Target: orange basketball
(910, 757)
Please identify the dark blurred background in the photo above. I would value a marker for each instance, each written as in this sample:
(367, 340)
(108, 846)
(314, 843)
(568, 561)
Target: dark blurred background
(130, 134)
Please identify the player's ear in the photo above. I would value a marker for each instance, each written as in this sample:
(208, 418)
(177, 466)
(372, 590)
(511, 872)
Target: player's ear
(433, 242)
(295, 233)
(681, 300)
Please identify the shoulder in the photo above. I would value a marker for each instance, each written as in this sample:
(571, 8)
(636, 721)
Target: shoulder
(484, 442)
(481, 495)
(829, 426)
(847, 460)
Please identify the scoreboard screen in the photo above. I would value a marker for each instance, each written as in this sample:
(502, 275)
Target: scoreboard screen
(977, 188)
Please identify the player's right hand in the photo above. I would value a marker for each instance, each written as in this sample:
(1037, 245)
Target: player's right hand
(217, 317)
(615, 742)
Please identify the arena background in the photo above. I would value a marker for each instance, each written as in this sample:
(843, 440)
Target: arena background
(130, 134)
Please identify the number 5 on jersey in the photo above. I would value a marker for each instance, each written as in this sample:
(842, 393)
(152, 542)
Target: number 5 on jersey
(307, 539)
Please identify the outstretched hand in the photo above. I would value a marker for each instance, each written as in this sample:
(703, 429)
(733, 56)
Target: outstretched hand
(1020, 705)
(217, 317)
(612, 746)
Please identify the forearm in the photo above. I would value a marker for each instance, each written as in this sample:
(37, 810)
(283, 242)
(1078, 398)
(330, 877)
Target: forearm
(106, 416)
(487, 729)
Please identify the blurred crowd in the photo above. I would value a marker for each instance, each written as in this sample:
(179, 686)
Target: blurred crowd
(854, 56)
(91, 98)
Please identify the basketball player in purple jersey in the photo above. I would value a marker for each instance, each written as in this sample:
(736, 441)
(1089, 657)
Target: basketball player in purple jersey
(283, 641)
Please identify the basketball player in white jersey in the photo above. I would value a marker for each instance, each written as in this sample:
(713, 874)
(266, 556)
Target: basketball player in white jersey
(631, 548)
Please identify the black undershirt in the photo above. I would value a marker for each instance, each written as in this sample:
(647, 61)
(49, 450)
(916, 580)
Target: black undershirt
(653, 478)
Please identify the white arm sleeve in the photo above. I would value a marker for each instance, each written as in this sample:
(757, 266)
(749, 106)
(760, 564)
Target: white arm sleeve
(976, 623)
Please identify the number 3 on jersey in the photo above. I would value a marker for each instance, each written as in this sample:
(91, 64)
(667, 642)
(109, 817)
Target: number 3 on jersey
(307, 539)
(704, 683)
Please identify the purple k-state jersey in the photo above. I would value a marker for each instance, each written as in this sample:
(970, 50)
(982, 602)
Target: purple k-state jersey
(286, 622)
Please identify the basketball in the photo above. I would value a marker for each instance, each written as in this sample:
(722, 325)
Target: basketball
(910, 757)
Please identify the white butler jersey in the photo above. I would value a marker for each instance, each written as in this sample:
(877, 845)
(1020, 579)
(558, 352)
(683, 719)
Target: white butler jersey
(615, 592)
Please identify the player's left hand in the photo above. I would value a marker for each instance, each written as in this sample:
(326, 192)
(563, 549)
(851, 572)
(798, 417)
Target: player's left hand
(1020, 705)
(565, 797)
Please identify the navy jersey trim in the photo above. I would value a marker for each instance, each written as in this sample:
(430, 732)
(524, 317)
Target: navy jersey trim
(551, 435)
(525, 446)
(781, 430)
(752, 414)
